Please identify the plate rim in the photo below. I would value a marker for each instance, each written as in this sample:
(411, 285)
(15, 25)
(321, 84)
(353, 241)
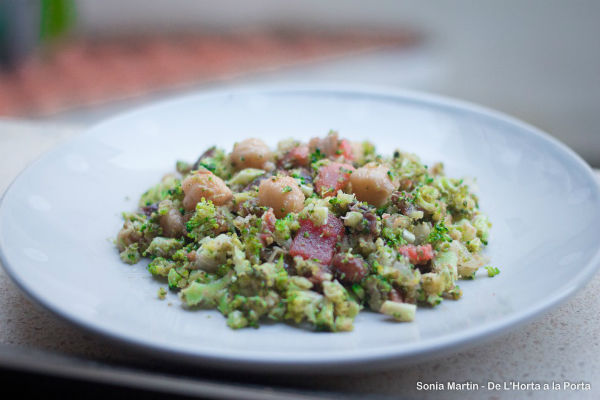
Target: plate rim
(341, 361)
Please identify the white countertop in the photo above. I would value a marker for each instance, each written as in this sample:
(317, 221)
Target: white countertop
(561, 345)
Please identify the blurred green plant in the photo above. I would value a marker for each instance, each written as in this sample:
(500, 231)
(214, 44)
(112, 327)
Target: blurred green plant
(25, 24)
(57, 18)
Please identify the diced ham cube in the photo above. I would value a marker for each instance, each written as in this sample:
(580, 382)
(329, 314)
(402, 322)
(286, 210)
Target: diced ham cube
(417, 254)
(332, 177)
(346, 149)
(298, 156)
(317, 242)
(349, 269)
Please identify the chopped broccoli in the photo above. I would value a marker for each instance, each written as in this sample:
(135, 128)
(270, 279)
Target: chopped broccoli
(245, 176)
(131, 255)
(163, 247)
(205, 294)
(239, 259)
(204, 221)
(160, 266)
(439, 233)
(169, 186)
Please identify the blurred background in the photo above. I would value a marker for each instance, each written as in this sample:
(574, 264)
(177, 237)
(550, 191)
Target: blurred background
(77, 62)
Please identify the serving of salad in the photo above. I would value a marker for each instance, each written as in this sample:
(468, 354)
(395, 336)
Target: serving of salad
(308, 233)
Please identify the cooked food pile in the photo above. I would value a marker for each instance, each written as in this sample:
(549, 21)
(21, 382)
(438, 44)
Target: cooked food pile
(310, 233)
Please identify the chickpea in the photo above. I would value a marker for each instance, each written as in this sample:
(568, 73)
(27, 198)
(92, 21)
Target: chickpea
(371, 183)
(281, 193)
(204, 184)
(251, 153)
(172, 223)
(127, 236)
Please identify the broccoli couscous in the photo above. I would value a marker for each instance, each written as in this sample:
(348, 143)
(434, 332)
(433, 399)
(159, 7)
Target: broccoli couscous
(308, 233)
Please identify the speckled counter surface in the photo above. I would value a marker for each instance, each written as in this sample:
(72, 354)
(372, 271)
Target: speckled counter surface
(561, 345)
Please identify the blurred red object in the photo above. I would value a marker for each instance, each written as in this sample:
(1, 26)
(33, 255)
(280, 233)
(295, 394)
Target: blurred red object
(87, 72)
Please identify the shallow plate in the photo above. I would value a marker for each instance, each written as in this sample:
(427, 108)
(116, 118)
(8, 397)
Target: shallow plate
(57, 220)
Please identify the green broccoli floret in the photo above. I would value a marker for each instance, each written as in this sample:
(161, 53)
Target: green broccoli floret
(463, 201)
(163, 247)
(439, 233)
(284, 228)
(303, 305)
(206, 294)
(427, 197)
(447, 186)
(213, 252)
(217, 163)
(359, 292)
(178, 277)
(474, 245)
(454, 294)
(253, 280)
(248, 310)
(316, 156)
(466, 229)
(169, 186)
(204, 221)
(160, 266)
(341, 202)
(445, 265)
(236, 320)
(377, 291)
(483, 225)
(325, 318)
(384, 256)
(251, 240)
(131, 255)
(394, 237)
(368, 153)
(407, 165)
(345, 308)
(245, 176)
(492, 271)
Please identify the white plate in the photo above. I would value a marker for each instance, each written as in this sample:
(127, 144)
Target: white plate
(57, 220)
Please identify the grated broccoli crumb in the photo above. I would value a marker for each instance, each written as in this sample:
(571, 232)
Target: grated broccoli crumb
(492, 271)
